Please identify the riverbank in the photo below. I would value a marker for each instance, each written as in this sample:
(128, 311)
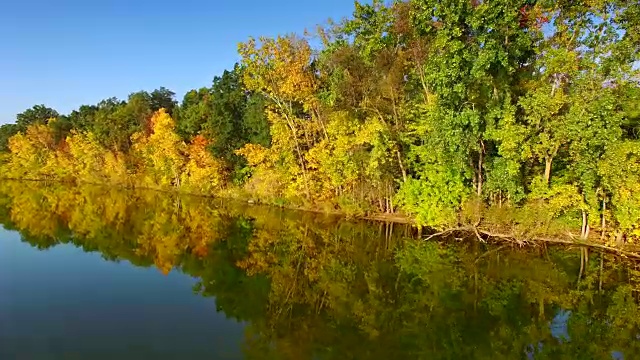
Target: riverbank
(483, 225)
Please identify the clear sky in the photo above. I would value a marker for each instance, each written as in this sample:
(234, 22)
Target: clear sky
(66, 53)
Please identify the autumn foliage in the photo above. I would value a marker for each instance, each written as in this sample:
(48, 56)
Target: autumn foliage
(157, 159)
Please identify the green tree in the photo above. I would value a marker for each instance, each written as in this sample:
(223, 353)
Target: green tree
(472, 57)
(227, 114)
(193, 112)
(83, 119)
(162, 98)
(38, 114)
(225, 127)
(6, 132)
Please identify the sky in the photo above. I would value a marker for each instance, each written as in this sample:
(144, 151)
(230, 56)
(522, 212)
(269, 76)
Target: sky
(67, 53)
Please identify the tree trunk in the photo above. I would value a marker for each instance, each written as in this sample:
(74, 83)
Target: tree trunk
(474, 179)
(586, 256)
(300, 157)
(293, 128)
(581, 264)
(547, 169)
(324, 129)
(604, 217)
(584, 234)
(404, 173)
(423, 82)
(601, 268)
(480, 164)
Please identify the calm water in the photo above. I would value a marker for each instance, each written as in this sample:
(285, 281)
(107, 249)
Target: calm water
(93, 273)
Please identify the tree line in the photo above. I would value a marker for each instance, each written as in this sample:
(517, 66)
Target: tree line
(423, 107)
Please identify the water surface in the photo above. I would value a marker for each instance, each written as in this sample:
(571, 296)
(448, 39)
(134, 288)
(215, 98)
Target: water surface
(96, 273)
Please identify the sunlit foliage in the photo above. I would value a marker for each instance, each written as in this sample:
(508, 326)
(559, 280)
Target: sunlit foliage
(160, 153)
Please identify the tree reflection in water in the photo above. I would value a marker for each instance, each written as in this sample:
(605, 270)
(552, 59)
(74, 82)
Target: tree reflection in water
(316, 286)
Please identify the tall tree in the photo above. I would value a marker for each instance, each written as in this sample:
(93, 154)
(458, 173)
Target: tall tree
(280, 69)
(38, 114)
(193, 112)
(472, 58)
(227, 115)
(162, 98)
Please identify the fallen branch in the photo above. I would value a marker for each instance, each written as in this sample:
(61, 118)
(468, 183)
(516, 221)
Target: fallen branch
(475, 229)
(445, 232)
(503, 236)
(512, 238)
(565, 242)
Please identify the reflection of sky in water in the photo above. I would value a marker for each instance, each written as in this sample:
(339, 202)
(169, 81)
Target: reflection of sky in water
(560, 331)
(64, 301)
(531, 351)
(558, 326)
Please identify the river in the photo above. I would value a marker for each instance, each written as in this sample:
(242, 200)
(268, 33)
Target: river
(96, 273)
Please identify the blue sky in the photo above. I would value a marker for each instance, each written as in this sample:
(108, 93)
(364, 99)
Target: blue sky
(67, 53)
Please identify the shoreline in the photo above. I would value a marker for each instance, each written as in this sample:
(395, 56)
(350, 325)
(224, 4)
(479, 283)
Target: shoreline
(383, 217)
(424, 233)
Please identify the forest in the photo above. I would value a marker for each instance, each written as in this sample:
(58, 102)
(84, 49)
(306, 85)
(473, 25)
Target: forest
(515, 115)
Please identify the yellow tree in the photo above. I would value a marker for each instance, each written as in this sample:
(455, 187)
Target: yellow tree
(266, 182)
(620, 169)
(32, 153)
(92, 162)
(281, 70)
(348, 161)
(203, 173)
(87, 157)
(160, 154)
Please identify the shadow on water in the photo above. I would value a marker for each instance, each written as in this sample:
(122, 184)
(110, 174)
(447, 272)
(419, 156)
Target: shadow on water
(314, 286)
